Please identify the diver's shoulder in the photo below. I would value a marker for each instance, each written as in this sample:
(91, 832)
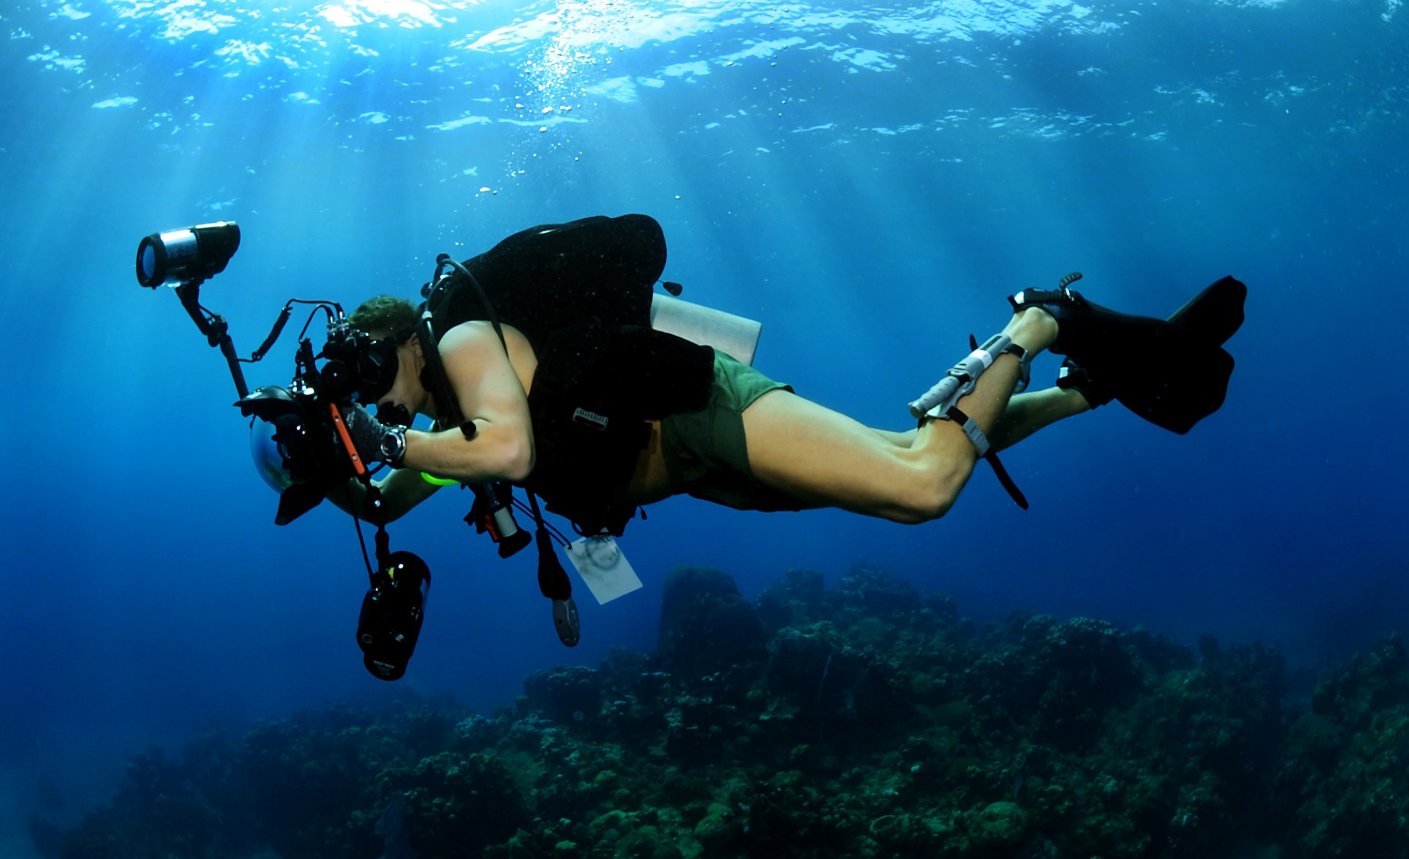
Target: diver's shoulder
(476, 332)
(472, 344)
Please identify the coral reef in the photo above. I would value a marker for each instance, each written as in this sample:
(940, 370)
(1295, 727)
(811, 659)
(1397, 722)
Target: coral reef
(860, 721)
(1342, 788)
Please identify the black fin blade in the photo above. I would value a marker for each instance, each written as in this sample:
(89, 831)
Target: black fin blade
(1187, 382)
(1215, 314)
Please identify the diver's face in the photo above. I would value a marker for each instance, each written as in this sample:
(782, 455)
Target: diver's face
(407, 392)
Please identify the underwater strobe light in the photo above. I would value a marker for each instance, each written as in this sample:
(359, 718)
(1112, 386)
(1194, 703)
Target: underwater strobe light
(194, 253)
(392, 612)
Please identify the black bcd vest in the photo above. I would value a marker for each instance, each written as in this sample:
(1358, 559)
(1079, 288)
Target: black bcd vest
(581, 294)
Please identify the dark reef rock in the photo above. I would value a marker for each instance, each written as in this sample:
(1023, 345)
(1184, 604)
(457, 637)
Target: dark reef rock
(866, 591)
(864, 721)
(457, 805)
(1060, 680)
(706, 626)
(564, 694)
(799, 597)
(823, 676)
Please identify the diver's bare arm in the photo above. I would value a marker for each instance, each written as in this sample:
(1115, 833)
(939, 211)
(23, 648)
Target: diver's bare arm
(401, 490)
(491, 397)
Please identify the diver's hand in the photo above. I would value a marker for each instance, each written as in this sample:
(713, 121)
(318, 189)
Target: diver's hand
(374, 440)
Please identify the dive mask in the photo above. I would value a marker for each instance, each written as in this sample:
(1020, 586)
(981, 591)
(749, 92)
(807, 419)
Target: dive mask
(376, 369)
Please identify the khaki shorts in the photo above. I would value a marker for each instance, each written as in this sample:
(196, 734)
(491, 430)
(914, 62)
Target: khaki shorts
(706, 453)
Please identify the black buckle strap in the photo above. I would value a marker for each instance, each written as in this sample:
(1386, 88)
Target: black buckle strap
(957, 415)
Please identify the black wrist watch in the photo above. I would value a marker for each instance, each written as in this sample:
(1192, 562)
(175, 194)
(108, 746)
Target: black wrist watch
(393, 446)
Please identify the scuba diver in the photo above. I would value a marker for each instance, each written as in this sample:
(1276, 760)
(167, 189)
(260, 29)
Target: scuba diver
(545, 366)
(598, 419)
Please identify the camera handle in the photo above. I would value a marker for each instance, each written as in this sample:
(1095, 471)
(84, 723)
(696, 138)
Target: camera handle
(358, 466)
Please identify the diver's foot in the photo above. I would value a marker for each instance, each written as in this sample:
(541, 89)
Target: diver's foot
(1069, 312)
(1033, 328)
(1073, 377)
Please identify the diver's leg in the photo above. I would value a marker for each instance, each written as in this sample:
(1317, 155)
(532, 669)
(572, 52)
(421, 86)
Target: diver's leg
(1031, 411)
(1026, 414)
(825, 458)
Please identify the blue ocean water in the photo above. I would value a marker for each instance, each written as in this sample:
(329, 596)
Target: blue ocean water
(869, 180)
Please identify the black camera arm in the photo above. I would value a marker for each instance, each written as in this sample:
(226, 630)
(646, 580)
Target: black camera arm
(215, 329)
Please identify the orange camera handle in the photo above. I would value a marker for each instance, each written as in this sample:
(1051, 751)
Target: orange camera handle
(347, 444)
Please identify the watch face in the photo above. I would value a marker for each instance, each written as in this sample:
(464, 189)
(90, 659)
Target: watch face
(394, 445)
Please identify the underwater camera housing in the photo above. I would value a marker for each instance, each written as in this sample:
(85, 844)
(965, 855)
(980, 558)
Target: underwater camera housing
(293, 441)
(298, 440)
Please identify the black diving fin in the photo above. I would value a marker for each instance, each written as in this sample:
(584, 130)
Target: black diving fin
(1172, 372)
(1188, 381)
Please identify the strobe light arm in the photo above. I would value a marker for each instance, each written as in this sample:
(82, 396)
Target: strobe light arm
(215, 329)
